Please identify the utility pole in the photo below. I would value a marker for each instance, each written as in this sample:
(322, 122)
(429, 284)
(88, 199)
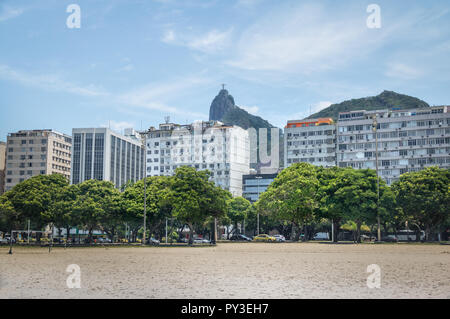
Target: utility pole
(375, 127)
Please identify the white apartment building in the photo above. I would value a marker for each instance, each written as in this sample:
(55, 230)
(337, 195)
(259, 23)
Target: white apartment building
(223, 150)
(312, 141)
(36, 152)
(408, 141)
(102, 154)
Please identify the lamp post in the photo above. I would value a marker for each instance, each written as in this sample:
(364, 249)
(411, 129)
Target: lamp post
(375, 127)
(257, 218)
(144, 144)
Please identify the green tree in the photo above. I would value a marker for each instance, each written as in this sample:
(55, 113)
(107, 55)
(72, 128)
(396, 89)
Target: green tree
(292, 196)
(330, 208)
(158, 205)
(92, 205)
(9, 218)
(61, 209)
(33, 198)
(195, 198)
(357, 196)
(238, 208)
(424, 198)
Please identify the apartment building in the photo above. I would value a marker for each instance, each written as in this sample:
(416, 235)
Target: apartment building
(2, 166)
(102, 154)
(223, 150)
(312, 141)
(408, 140)
(36, 152)
(254, 185)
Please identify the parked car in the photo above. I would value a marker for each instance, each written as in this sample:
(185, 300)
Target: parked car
(240, 237)
(365, 238)
(265, 238)
(9, 238)
(201, 241)
(4, 241)
(390, 238)
(153, 241)
(104, 240)
(280, 238)
(321, 236)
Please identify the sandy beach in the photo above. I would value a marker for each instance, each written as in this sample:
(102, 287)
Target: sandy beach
(243, 270)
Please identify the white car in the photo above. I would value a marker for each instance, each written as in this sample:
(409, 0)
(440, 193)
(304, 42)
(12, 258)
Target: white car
(201, 241)
(280, 238)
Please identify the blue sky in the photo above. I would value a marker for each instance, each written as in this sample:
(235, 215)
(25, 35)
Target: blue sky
(133, 62)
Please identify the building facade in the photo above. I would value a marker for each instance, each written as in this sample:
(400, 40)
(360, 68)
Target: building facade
(2, 166)
(36, 152)
(312, 141)
(408, 141)
(102, 154)
(253, 185)
(223, 150)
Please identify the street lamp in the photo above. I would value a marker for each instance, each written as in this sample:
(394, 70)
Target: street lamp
(257, 218)
(144, 144)
(375, 126)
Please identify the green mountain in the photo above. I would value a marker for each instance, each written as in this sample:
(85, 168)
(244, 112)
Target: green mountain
(224, 109)
(385, 100)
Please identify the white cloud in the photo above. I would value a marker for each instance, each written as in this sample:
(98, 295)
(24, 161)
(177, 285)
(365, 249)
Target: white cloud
(126, 68)
(7, 12)
(320, 106)
(403, 71)
(157, 96)
(250, 109)
(212, 41)
(169, 37)
(49, 82)
(118, 126)
(306, 39)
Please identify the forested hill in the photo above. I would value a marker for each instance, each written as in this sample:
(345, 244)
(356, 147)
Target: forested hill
(385, 100)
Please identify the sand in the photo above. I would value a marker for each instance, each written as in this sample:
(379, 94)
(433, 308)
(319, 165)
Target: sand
(241, 270)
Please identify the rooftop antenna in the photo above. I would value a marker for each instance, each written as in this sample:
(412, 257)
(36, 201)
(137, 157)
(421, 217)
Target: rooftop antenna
(167, 119)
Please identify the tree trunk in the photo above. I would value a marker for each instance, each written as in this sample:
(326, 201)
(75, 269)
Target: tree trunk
(358, 232)
(305, 233)
(296, 230)
(336, 231)
(67, 233)
(191, 234)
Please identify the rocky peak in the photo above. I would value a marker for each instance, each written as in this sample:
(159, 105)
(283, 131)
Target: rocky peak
(221, 104)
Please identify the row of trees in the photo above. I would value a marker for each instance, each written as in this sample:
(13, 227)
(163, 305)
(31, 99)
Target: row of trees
(306, 196)
(188, 197)
(302, 199)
